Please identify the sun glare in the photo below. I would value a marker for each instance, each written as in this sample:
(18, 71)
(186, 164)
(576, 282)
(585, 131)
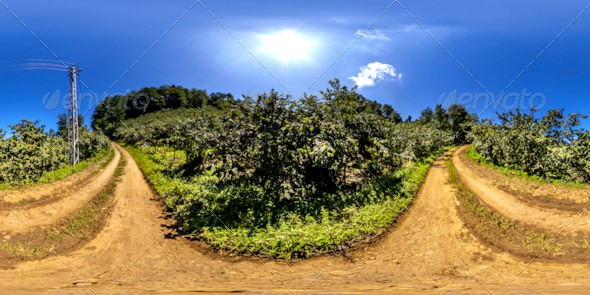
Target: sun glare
(287, 46)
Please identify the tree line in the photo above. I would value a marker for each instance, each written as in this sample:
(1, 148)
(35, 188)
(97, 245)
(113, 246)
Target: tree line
(552, 146)
(109, 114)
(30, 151)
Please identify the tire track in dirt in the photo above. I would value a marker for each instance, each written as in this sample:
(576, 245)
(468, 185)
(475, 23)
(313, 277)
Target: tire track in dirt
(428, 251)
(38, 192)
(22, 219)
(551, 220)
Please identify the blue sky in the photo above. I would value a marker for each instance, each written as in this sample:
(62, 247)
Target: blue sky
(421, 54)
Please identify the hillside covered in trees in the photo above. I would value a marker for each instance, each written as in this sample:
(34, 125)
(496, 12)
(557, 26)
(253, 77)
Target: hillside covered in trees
(109, 114)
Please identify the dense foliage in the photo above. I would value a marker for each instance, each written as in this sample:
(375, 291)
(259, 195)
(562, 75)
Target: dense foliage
(110, 114)
(551, 147)
(268, 159)
(30, 151)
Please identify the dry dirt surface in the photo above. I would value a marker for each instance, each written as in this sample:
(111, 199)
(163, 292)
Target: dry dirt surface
(508, 205)
(22, 219)
(429, 251)
(536, 193)
(38, 192)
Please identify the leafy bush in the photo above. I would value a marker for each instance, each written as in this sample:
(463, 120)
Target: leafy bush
(205, 211)
(551, 147)
(307, 171)
(269, 157)
(30, 152)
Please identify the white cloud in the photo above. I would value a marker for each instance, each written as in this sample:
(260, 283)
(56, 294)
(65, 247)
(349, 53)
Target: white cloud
(374, 72)
(373, 35)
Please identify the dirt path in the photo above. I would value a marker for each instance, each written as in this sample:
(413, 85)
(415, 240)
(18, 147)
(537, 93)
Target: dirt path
(551, 220)
(21, 220)
(535, 193)
(40, 191)
(430, 251)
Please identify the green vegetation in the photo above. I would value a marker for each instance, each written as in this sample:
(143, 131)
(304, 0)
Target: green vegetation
(109, 114)
(551, 148)
(68, 232)
(90, 215)
(29, 154)
(295, 236)
(475, 156)
(66, 171)
(284, 178)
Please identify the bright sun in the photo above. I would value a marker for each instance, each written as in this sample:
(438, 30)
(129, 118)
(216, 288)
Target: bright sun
(287, 46)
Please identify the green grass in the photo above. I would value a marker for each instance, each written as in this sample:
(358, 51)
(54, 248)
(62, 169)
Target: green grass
(7, 247)
(495, 227)
(295, 236)
(88, 216)
(473, 155)
(66, 171)
(20, 250)
(79, 225)
(70, 170)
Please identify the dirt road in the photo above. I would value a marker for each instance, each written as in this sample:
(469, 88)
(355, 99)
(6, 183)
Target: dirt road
(20, 220)
(429, 251)
(55, 189)
(551, 220)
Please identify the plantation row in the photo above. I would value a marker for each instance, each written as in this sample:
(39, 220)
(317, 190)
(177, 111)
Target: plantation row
(550, 147)
(263, 172)
(30, 152)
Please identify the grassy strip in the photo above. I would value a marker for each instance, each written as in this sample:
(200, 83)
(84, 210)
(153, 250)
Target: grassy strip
(89, 216)
(297, 237)
(473, 155)
(68, 233)
(69, 170)
(507, 234)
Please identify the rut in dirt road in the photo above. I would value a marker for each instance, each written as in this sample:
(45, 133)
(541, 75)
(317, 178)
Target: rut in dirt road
(551, 220)
(41, 193)
(20, 220)
(429, 251)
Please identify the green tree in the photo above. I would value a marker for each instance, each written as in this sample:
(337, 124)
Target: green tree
(426, 116)
(440, 117)
(390, 113)
(62, 125)
(197, 98)
(459, 122)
